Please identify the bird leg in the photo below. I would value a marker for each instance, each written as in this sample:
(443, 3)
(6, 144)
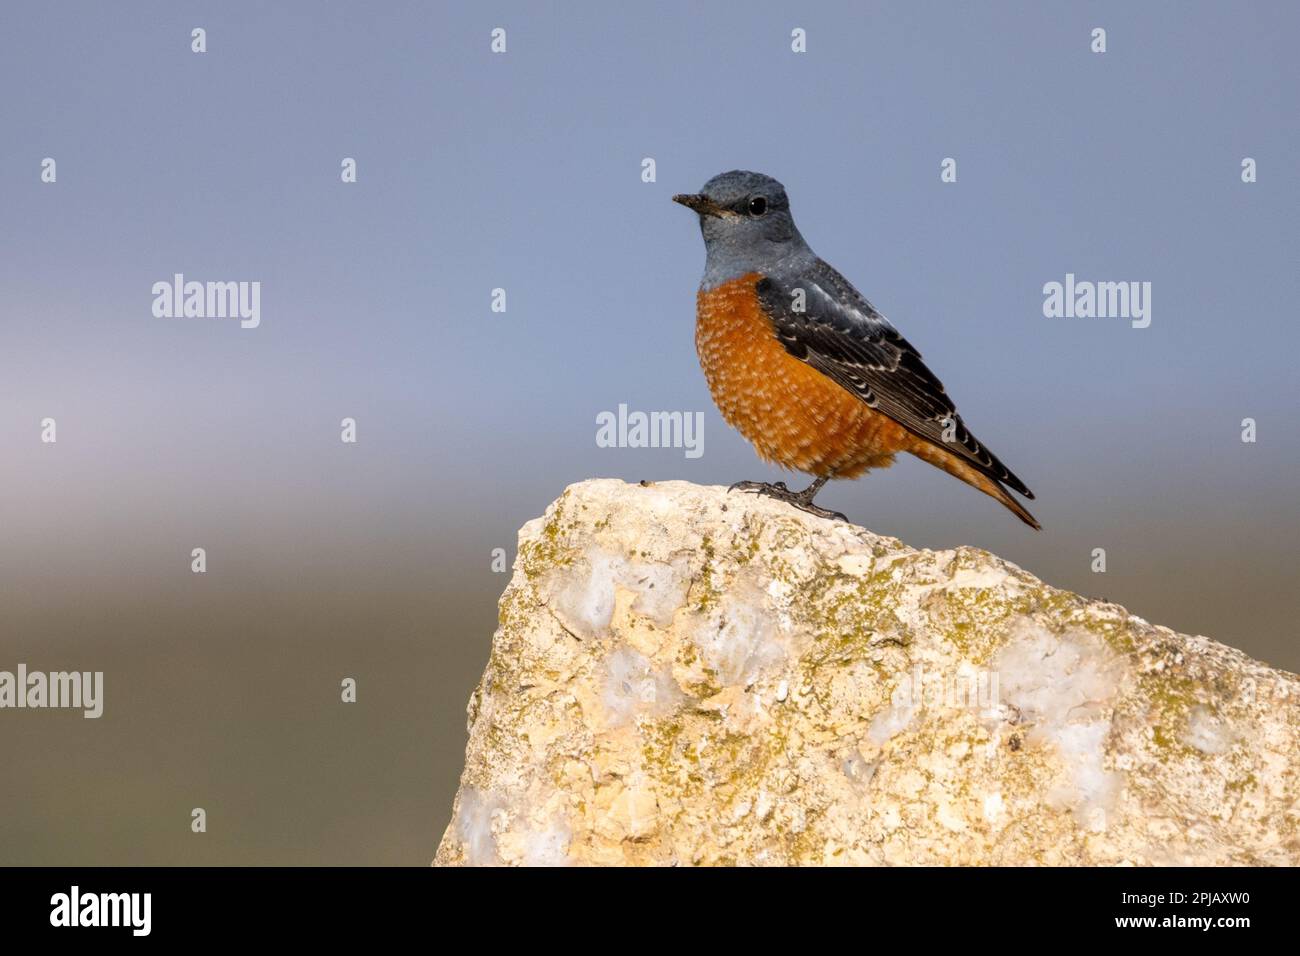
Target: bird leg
(803, 500)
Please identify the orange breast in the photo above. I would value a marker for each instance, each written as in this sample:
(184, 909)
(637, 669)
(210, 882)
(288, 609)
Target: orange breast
(794, 415)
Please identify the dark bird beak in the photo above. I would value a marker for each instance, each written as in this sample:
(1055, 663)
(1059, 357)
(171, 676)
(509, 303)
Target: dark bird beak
(701, 204)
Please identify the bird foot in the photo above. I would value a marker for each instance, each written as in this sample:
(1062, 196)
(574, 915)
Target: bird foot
(803, 500)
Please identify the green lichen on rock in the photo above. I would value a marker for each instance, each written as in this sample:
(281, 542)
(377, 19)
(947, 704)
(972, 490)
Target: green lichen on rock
(548, 549)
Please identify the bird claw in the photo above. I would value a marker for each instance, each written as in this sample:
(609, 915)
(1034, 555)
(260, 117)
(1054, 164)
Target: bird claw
(775, 489)
(799, 499)
(820, 512)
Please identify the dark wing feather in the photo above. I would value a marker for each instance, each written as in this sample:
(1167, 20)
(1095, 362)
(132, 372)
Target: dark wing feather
(841, 335)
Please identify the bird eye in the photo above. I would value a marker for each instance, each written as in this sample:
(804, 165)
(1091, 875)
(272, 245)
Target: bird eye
(757, 206)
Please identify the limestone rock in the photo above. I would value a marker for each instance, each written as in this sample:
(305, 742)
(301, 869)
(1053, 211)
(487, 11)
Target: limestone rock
(683, 676)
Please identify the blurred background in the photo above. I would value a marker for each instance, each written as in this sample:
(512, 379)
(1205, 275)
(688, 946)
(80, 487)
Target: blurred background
(522, 171)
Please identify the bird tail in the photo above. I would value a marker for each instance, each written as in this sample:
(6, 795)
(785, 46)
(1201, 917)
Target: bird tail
(958, 468)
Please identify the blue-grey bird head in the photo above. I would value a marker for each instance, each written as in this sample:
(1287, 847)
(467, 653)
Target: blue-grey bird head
(747, 226)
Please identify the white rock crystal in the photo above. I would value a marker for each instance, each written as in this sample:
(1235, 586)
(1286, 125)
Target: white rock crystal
(683, 676)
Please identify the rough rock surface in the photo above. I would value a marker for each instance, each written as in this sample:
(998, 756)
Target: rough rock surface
(682, 676)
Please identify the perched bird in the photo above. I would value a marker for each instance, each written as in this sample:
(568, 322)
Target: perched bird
(805, 368)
